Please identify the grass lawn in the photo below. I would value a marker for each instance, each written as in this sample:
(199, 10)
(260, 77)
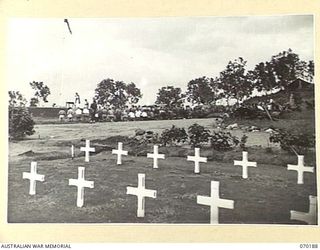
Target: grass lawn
(267, 196)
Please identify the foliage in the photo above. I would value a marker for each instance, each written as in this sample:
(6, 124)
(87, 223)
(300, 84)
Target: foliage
(280, 71)
(285, 67)
(198, 134)
(20, 123)
(294, 142)
(170, 96)
(217, 91)
(16, 99)
(243, 141)
(223, 141)
(234, 81)
(34, 102)
(117, 93)
(297, 99)
(41, 91)
(311, 69)
(263, 77)
(133, 93)
(200, 91)
(173, 136)
(248, 113)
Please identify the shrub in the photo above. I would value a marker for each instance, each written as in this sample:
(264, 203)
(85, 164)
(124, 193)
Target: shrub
(243, 141)
(297, 143)
(20, 123)
(198, 134)
(248, 113)
(173, 136)
(223, 141)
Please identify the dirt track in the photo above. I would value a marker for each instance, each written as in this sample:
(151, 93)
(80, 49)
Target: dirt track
(53, 132)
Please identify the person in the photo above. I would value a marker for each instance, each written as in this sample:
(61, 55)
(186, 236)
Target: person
(270, 105)
(260, 106)
(99, 113)
(62, 115)
(131, 115)
(138, 114)
(144, 114)
(86, 103)
(124, 115)
(70, 114)
(104, 113)
(86, 114)
(93, 109)
(111, 116)
(162, 114)
(78, 114)
(77, 99)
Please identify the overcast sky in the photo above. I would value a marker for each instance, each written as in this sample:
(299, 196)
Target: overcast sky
(151, 52)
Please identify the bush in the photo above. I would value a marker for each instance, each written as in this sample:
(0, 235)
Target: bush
(243, 141)
(173, 136)
(198, 134)
(248, 113)
(223, 141)
(20, 123)
(297, 143)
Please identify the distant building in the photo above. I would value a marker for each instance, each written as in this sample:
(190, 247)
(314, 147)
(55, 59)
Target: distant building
(300, 84)
(304, 88)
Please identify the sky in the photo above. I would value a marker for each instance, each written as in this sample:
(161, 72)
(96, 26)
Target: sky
(151, 52)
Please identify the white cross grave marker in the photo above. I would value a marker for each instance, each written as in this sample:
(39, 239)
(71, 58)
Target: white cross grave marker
(87, 150)
(119, 152)
(155, 156)
(309, 217)
(33, 177)
(141, 192)
(81, 183)
(72, 152)
(197, 159)
(245, 164)
(214, 202)
(300, 168)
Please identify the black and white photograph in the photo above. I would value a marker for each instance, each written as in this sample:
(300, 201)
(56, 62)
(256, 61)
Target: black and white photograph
(162, 120)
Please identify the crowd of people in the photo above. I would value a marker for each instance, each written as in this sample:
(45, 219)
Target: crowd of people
(100, 113)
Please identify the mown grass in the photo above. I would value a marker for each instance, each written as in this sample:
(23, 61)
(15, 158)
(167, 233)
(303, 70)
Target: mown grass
(267, 196)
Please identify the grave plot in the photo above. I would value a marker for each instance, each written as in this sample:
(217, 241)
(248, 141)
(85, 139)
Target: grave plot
(173, 193)
(33, 177)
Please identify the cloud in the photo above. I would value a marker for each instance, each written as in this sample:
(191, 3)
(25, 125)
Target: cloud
(152, 52)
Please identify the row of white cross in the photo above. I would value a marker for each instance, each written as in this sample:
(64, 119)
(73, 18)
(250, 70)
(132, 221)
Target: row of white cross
(214, 201)
(197, 159)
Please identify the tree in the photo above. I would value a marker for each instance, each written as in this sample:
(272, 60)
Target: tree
(263, 77)
(284, 64)
(20, 121)
(41, 91)
(234, 81)
(170, 96)
(311, 70)
(117, 93)
(280, 71)
(134, 93)
(34, 102)
(198, 134)
(199, 91)
(215, 85)
(288, 67)
(16, 99)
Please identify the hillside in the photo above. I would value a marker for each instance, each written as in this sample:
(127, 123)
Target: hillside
(299, 120)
